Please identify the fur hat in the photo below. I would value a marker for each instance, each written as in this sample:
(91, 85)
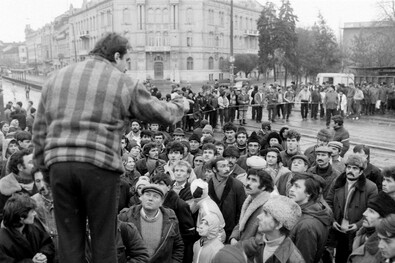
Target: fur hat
(253, 138)
(274, 135)
(278, 147)
(199, 188)
(324, 135)
(194, 137)
(357, 160)
(256, 162)
(336, 144)
(230, 254)
(284, 210)
(179, 131)
(208, 128)
(153, 188)
(382, 204)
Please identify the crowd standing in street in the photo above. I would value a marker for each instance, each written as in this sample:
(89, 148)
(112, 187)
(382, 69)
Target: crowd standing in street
(134, 175)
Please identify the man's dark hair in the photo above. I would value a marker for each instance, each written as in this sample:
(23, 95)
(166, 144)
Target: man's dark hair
(293, 134)
(389, 172)
(20, 136)
(362, 147)
(231, 151)
(229, 127)
(110, 44)
(148, 146)
(218, 143)
(186, 144)
(312, 183)
(208, 139)
(158, 133)
(209, 146)
(19, 103)
(17, 206)
(146, 133)
(162, 177)
(216, 160)
(279, 159)
(265, 179)
(17, 158)
(175, 146)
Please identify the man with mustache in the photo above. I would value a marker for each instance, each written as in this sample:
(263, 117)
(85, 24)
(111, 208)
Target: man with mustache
(323, 167)
(348, 198)
(258, 187)
(365, 245)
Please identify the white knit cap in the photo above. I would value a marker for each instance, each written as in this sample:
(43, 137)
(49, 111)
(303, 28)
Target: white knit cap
(284, 210)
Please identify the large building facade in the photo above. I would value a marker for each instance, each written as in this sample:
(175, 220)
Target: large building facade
(176, 40)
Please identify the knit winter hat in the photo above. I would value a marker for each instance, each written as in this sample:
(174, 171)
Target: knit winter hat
(324, 135)
(253, 138)
(284, 210)
(256, 162)
(194, 137)
(275, 135)
(230, 254)
(336, 144)
(357, 160)
(199, 188)
(382, 204)
(208, 128)
(143, 180)
(278, 147)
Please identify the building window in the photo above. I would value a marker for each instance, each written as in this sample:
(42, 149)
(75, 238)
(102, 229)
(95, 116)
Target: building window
(151, 39)
(241, 23)
(165, 38)
(126, 16)
(210, 63)
(165, 16)
(109, 20)
(221, 18)
(189, 63)
(211, 16)
(210, 77)
(217, 41)
(158, 16)
(158, 39)
(151, 16)
(189, 39)
(221, 40)
(235, 26)
(211, 39)
(221, 63)
(189, 17)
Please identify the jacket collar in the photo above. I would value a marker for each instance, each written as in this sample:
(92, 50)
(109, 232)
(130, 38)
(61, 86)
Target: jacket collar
(9, 185)
(250, 206)
(342, 179)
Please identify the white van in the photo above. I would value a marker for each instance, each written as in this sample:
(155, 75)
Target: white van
(335, 78)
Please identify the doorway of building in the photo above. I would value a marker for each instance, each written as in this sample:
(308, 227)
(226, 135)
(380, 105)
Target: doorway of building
(158, 70)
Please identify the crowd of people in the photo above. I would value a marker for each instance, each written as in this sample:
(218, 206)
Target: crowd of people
(221, 104)
(162, 187)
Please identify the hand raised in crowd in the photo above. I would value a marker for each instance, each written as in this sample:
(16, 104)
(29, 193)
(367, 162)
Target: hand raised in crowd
(39, 258)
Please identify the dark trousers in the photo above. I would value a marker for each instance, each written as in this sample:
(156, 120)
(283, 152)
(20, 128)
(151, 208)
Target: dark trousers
(213, 118)
(259, 110)
(280, 107)
(254, 111)
(288, 109)
(314, 110)
(304, 109)
(271, 112)
(344, 246)
(322, 110)
(329, 114)
(223, 115)
(232, 113)
(81, 191)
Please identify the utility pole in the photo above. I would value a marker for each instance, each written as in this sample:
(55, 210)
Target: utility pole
(231, 58)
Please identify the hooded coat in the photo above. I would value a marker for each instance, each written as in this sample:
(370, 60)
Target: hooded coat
(365, 251)
(248, 223)
(207, 247)
(311, 232)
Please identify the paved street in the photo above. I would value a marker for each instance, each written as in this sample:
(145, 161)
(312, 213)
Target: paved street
(378, 132)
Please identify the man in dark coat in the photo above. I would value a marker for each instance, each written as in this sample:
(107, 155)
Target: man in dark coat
(372, 172)
(157, 225)
(22, 237)
(348, 198)
(311, 232)
(183, 213)
(227, 192)
(341, 134)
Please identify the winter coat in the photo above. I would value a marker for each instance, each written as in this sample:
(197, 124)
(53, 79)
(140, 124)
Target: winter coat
(243, 100)
(311, 232)
(184, 216)
(310, 154)
(365, 251)
(331, 100)
(207, 247)
(287, 252)
(373, 173)
(130, 246)
(248, 223)
(329, 177)
(8, 186)
(230, 203)
(18, 247)
(286, 158)
(365, 191)
(171, 247)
